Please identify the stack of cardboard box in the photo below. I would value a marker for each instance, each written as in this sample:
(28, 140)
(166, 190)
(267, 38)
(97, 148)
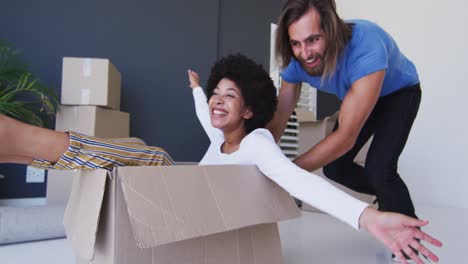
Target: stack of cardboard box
(90, 105)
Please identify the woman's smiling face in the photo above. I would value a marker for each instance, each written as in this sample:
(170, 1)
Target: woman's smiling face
(227, 107)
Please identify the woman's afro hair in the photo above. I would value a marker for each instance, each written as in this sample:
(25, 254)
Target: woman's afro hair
(255, 84)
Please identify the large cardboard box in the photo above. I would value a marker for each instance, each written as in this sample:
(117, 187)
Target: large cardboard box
(177, 214)
(90, 81)
(93, 121)
(311, 133)
(59, 185)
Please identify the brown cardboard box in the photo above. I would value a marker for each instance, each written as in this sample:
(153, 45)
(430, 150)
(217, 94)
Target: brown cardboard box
(177, 214)
(59, 185)
(311, 133)
(93, 121)
(90, 81)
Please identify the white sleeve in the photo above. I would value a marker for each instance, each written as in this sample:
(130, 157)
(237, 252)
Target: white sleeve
(302, 184)
(203, 114)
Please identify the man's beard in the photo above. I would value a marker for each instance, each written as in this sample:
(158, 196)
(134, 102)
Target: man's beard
(315, 71)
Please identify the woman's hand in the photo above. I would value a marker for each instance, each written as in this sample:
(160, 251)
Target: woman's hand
(194, 79)
(399, 233)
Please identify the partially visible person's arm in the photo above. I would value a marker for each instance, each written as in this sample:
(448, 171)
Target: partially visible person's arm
(288, 97)
(355, 109)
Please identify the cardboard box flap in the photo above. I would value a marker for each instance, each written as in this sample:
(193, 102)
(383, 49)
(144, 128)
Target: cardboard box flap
(173, 203)
(83, 210)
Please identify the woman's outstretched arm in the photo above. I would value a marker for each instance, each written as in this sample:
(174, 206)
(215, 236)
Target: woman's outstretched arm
(398, 232)
(201, 107)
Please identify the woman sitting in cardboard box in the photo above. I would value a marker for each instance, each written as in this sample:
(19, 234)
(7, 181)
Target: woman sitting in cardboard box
(242, 100)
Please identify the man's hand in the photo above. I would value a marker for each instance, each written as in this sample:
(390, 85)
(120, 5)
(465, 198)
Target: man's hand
(399, 233)
(194, 79)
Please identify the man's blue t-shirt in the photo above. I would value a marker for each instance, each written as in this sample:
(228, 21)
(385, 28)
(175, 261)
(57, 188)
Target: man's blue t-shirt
(370, 49)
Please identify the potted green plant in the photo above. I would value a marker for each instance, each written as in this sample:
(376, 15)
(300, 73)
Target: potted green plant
(22, 96)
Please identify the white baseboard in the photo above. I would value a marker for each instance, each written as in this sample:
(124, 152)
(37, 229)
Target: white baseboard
(24, 202)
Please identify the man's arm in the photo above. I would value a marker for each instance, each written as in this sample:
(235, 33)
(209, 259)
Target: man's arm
(288, 97)
(355, 109)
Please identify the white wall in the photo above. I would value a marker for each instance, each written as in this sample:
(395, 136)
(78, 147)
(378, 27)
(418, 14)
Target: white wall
(434, 35)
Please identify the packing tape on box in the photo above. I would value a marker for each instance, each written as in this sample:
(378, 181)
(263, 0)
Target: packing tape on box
(85, 96)
(87, 67)
(76, 120)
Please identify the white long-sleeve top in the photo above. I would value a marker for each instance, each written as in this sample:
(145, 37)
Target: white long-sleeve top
(259, 148)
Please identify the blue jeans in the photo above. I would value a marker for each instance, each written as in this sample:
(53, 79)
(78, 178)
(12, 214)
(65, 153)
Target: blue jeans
(390, 123)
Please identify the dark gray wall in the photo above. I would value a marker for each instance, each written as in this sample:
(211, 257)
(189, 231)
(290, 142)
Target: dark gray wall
(245, 27)
(152, 43)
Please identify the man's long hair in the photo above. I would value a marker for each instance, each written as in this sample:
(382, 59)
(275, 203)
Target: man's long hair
(337, 32)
